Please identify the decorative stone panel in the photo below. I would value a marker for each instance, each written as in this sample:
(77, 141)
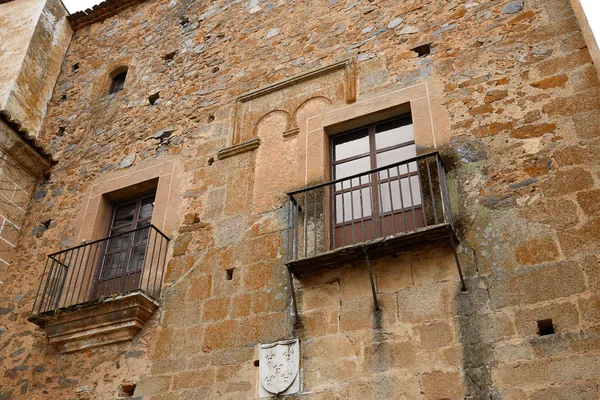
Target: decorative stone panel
(279, 368)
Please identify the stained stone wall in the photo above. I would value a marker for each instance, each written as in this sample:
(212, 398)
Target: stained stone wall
(510, 97)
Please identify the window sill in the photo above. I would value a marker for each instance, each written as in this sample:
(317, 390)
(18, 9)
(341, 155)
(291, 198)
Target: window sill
(96, 323)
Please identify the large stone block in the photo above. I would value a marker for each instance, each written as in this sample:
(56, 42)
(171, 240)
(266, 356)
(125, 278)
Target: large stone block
(575, 369)
(589, 201)
(512, 375)
(537, 251)
(435, 334)
(535, 284)
(568, 181)
(565, 317)
(219, 335)
(567, 392)
(584, 239)
(442, 385)
(426, 303)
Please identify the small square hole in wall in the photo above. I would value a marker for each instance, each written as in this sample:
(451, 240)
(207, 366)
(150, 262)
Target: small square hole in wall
(423, 50)
(75, 67)
(127, 389)
(170, 56)
(545, 327)
(229, 274)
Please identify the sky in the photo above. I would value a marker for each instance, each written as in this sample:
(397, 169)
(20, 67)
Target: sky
(591, 7)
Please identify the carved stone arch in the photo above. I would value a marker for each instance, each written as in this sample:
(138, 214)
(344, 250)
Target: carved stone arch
(267, 115)
(293, 129)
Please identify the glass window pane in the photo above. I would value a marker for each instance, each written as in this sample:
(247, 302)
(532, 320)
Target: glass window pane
(399, 198)
(397, 155)
(350, 144)
(351, 168)
(146, 208)
(351, 208)
(393, 133)
(124, 214)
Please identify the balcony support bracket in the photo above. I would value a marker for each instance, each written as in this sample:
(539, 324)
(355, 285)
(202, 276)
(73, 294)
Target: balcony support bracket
(294, 301)
(371, 278)
(453, 245)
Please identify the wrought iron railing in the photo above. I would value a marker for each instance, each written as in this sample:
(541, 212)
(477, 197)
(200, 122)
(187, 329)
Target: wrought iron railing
(118, 264)
(390, 201)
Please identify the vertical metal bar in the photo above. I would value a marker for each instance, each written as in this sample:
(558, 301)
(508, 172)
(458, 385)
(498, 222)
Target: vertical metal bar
(315, 230)
(55, 273)
(453, 245)
(305, 223)
(164, 264)
(373, 226)
(362, 209)
(343, 216)
(146, 246)
(78, 266)
(43, 299)
(37, 294)
(444, 192)
(412, 201)
(69, 267)
(435, 217)
(401, 198)
(84, 267)
(296, 242)
(371, 278)
(437, 162)
(147, 288)
(290, 243)
(160, 253)
(381, 216)
(89, 283)
(293, 293)
(324, 199)
(391, 202)
(421, 192)
(156, 269)
(352, 212)
(333, 216)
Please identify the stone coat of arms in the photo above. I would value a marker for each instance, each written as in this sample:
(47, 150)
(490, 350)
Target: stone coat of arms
(278, 368)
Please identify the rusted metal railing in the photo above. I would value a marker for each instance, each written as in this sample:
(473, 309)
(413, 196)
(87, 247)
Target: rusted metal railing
(389, 201)
(122, 263)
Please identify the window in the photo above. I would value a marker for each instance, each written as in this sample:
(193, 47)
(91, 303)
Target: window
(368, 205)
(118, 78)
(124, 255)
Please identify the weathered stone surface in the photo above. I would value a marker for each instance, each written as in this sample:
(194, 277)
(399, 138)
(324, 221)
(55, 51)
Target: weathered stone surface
(537, 251)
(512, 7)
(508, 99)
(568, 181)
(545, 282)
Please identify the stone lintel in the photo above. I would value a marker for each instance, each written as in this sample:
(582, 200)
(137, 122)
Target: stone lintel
(238, 149)
(96, 323)
(23, 153)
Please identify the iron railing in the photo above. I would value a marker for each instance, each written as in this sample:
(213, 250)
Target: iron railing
(118, 264)
(394, 200)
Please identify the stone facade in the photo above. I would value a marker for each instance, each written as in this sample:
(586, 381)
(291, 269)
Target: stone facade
(230, 105)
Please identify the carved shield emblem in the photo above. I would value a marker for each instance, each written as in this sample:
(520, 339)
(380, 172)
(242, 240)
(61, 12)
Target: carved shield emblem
(279, 364)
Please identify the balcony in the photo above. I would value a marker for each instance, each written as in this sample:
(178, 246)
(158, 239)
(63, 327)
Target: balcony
(102, 291)
(370, 215)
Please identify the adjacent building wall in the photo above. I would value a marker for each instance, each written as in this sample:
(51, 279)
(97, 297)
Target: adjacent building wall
(509, 95)
(34, 36)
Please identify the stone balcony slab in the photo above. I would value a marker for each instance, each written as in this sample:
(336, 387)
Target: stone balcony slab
(96, 323)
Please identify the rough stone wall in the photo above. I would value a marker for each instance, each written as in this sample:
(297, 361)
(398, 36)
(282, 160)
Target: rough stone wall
(34, 36)
(522, 98)
(16, 187)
